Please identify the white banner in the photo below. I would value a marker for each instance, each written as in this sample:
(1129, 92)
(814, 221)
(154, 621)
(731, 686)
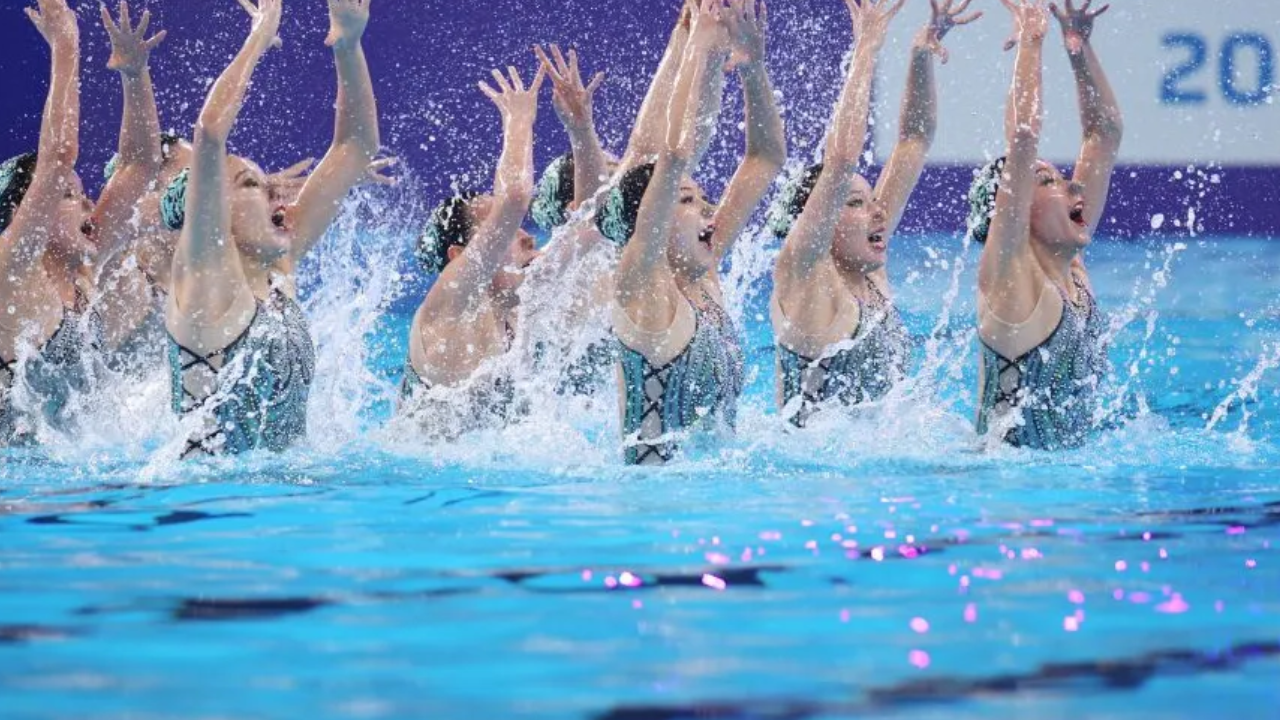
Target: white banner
(1197, 81)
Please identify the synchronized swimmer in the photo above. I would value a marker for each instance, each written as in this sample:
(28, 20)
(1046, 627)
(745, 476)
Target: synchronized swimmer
(188, 259)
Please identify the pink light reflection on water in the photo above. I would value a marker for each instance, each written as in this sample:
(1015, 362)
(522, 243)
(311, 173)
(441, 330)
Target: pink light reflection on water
(918, 658)
(716, 558)
(714, 582)
(1070, 623)
(1075, 596)
(629, 580)
(970, 613)
(770, 535)
(920, 625)
(1236, 530)
(1173, 606)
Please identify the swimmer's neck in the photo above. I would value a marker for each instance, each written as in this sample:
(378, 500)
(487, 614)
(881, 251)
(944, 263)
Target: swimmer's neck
(259, 278)
(1057, 265)
(856, 280)
(64, 269)
(506, 306)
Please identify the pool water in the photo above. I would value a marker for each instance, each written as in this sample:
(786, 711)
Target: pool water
(884, 565)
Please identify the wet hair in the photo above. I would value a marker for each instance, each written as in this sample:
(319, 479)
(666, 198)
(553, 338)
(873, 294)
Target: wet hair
(791, 201)
(168, 141)
(616, 218)
(982, 198)
(550, 208)
(15, 178)
(451, 224)
(173, 204)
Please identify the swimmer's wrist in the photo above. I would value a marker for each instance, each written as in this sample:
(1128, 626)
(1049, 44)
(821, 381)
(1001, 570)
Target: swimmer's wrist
(346, 45)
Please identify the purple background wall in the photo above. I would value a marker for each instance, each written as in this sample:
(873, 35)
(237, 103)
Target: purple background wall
(427, 57)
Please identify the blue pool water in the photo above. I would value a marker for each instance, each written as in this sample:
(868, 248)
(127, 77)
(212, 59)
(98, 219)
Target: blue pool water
(880, 566)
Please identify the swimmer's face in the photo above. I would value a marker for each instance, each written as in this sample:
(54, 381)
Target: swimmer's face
(73, 233)
(257, 236)
(522, 252)
(861, 240)
(1057, 210)
(689, 252)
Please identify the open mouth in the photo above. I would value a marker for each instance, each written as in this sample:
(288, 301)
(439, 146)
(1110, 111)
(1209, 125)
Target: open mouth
(877, 240)
(706, 235)
(279, 218)
(88, 229)
(1077, 214)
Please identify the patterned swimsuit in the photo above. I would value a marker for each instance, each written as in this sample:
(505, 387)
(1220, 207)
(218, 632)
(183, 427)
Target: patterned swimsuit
(701, 385)
(861, 369)
(259, 383)
(1048, 395)
(52, 376)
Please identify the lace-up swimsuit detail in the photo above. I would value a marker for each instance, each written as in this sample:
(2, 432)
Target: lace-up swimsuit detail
(1054, 386)
(700, 386)
(52, 376)
(858, 370)
(253, 393)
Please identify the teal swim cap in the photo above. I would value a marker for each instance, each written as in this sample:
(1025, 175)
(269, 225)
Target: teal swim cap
(982, 198)
(616, 218)
(173, 204)
(15, 177)
(550, 208)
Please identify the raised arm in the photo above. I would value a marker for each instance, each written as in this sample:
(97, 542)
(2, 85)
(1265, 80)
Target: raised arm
(809, 241)
(464, 283)
(1100, 113)
(644, 285)
(919, 115)
(23, 242)
(573, 104)
(1007, 240)
(207, 274)
(766, 150)
(355, 134)
(139, 157)
(649, 132)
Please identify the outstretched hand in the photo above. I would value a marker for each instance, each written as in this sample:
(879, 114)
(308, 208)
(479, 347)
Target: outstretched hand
(130, 50)
(708, 29)
(515, 102)
(746, 23)
(1030, 21)
(376, 173)
(266, 21)
(571, 99)
(56, 22)
(871, 19)
(945, 19)
(347, 21)
(1077, 23)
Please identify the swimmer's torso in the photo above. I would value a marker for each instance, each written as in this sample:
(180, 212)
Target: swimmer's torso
(253, 394)
(1047, 398)
(861, 368)
(699, 387)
